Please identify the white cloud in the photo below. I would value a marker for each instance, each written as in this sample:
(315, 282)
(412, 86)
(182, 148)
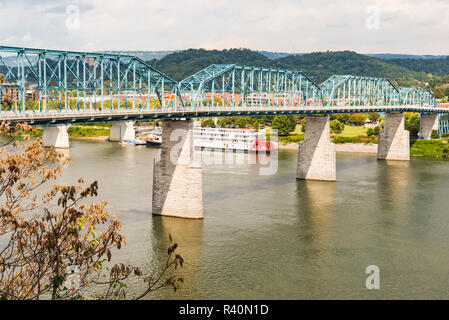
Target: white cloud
(406, 26)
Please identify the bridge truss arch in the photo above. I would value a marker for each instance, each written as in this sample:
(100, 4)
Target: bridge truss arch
(52, 86)
(417, 96)
(41, 80)
(349, 90)
(230, 85)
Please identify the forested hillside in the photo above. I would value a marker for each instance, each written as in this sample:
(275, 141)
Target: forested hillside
(438, 67)
(319, 65)
(180, 65)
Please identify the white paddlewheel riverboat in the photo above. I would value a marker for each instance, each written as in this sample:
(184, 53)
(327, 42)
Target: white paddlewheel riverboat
(246, 140)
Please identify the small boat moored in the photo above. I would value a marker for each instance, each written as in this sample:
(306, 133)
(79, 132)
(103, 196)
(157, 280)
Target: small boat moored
(154, 139)
(127, 141)
(139, 142)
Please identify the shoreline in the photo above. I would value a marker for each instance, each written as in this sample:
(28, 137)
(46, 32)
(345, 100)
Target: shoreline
(99, 138)
(340, 147)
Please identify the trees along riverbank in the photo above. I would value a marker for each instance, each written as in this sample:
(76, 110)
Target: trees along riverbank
(355, 132)
(345, 129)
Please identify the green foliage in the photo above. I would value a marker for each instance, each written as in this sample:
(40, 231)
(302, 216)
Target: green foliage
(412, 123)
(435, 134)
(359, 139)
(182, 64)
(292, 138)
(86, 131)
(373, 131)
(38, 132)
(317, 65)
(342, 117)
(284, 124)
(429, 148)
(225, 122)
(268, 120)
(242, 122)
(208, 122)
(321, 65)
(438, 67)
(438, 92)
(373, 117)
(340, 139)
(104, 124)
(303, 125)
(356, 119)
(255, 123)
(336, 126)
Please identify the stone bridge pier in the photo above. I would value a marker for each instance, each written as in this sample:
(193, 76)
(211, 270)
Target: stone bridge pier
(177, 178)
(316, 154)
(394, 140)
(56, 136)
(429, 122)
(123, 130)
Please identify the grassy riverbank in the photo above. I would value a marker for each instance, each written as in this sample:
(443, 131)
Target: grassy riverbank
(350, 134)
(430, 148)
(81, 131)
(437, 149)
(87, 131)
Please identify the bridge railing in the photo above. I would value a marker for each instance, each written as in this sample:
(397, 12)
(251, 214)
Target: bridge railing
(74, 116)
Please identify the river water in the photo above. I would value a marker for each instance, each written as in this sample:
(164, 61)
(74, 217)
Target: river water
(272, 237)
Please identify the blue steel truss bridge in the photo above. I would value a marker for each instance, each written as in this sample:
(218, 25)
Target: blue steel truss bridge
(50, 87)
(55, 89)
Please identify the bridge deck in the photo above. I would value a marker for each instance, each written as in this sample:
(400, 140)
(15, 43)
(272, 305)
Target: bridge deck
(91, 116)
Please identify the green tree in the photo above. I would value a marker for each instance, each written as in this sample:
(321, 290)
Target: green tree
(446, 92)
(435, 134)
(374, 117)
(267, 120)
(226, 121)
(356, 120)
(438, 92)
(373, 132)
(208, 122)
(284, 124)
(342, 117)
(336, 126)
(303, 125)
(242, 122)
(256, 123)
(412, 124)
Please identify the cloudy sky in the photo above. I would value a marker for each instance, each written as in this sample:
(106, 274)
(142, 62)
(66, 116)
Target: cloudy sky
(375, 26)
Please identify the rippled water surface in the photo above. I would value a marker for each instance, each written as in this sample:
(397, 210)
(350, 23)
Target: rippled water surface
(272, 237)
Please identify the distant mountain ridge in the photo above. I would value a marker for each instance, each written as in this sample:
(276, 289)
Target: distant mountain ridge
(159, 54)
(405, 56)
(144, 55)
(149, 55)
